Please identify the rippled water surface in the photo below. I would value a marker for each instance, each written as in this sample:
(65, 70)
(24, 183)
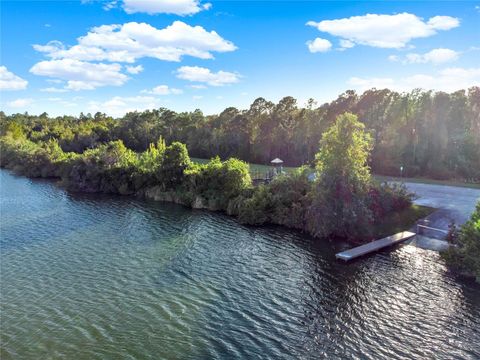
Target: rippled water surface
(95, 277)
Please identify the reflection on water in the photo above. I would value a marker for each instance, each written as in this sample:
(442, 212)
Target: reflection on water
(97, 277)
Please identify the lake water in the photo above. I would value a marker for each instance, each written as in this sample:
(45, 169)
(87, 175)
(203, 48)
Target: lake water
(98, 277)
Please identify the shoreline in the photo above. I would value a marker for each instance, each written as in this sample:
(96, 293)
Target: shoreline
(199, 203)
(170, 197)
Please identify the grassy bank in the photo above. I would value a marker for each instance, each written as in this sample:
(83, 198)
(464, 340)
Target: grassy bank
(428, 181)
(254, 168)
(262, 169)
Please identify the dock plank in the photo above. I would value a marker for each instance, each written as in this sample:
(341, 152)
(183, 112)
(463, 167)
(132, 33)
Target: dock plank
(374, 246)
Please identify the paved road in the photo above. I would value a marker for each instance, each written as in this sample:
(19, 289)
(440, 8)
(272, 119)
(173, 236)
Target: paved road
(453, 203)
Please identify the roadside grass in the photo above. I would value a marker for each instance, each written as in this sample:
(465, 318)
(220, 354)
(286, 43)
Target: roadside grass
(254, 168)
(259, 169)
(427, 181)
(400, 221)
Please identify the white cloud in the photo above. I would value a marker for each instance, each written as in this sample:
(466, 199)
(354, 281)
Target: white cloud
(163, 90)
(197, 87)
(443, 22)
(81, 75)
(346, 44)
(132, 41)
(385, 31)
(63, 102)
(204, 75)
(53, 90)
(177, 7)
(435, 57)
(449, 80)
(197, 97)
(10, 81)
(19, 103)
(319, 45)
(363, 84)
(119, 106)
(134, 69)
(109, 5)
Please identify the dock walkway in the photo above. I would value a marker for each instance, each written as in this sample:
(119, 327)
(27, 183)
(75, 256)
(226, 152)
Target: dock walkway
(374, 246)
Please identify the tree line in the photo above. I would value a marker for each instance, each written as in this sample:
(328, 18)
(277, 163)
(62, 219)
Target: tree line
(343, 201)
(424, 133)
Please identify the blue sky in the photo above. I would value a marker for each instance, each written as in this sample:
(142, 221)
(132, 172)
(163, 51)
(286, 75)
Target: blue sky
(115, 56)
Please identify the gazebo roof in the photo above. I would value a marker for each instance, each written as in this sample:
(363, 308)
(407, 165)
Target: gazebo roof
(277, 161)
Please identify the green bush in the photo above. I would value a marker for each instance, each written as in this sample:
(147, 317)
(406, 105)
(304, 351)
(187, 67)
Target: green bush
(283, 201)
(384, 198)
(465, 257)
(148, 165)
(108, 168)
(175, 161)
(43, 159)
(219, 182)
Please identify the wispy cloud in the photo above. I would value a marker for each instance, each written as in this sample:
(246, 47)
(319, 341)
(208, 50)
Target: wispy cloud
(449, 80)
(204, 75)
(435, 57)
(20, 103)
(163, 90)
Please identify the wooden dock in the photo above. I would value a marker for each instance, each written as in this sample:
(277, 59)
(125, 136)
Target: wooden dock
(374, 246)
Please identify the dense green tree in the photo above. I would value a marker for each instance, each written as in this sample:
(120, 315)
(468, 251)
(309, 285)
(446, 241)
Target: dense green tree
(217, 182)
(340, 201)
(466, 255)
(172, 169)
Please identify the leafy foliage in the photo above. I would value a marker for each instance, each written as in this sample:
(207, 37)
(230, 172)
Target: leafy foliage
(283, 201)
(429, 134)
(107, 168)
(174, 163)
(466, 256)
(218, 182)
(342, 201)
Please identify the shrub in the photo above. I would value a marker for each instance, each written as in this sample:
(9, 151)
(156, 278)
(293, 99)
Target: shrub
(219, 182)
(108, 168)
(44, 159)
(175, 161)
(384, 198)
(466, 256)
(283, 201)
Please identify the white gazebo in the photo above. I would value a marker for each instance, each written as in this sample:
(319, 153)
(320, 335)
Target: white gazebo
(277, 164)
